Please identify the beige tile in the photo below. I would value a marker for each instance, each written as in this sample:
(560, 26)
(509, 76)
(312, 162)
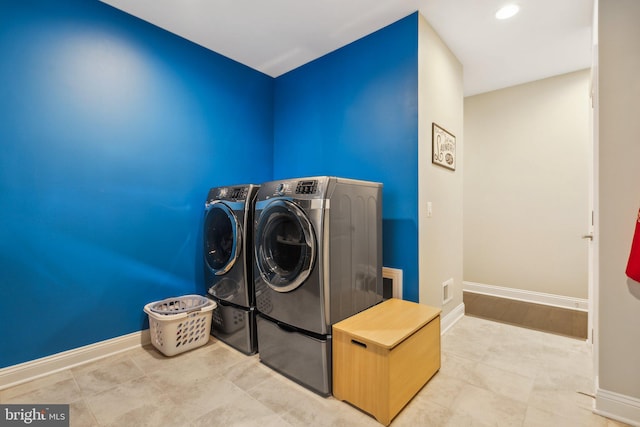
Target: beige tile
(470, 343)
(147, 358)
(488, 408)
(137, 402)
(563, 379)
(504, 383)
(565, 354)
(455, 366)
(423, 413)
(239, 409)
(200, 365)
(205, 396)
(34, 385)
(150, 359)
(150, 415)
(346, 415)
(105, 374)
(80, 415)
(247, 373)
(218, 357)
(301, 407)
(477, 325)
(492, 374)
(539, 418)
(176, 376)
(573, 362)
(280, 394)
(508, 359)
(327, 412)
(614, 423)
(464, 420)
(64, 391)
(215, 419)
(567, 403)
(441, 390)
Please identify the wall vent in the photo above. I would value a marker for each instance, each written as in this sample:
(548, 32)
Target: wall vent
(447, 294)
(391, 283)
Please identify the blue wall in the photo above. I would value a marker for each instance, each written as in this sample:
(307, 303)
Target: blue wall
(113, 130)
(111, 133)
(354, 113)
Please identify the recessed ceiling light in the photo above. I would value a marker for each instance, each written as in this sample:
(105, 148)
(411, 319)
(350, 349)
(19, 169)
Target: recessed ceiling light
(507, 11)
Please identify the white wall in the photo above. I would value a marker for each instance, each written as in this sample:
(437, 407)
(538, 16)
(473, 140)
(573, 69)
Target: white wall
(440, 100)
(526, 191)
(618, 338)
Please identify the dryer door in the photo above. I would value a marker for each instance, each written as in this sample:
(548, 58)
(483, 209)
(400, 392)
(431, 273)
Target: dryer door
(285, 245)
(222, 239)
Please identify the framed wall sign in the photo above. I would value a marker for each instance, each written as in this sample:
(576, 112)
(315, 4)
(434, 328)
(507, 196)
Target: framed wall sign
(443, 147)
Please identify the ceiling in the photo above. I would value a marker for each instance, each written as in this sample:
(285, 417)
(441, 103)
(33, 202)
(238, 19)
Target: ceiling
(547, 37)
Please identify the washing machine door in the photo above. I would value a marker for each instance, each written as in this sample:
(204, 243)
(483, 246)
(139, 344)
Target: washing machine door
(285, 245)
(223, 238)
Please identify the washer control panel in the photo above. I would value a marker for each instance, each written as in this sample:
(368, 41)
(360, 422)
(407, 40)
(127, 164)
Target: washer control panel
(228, 193)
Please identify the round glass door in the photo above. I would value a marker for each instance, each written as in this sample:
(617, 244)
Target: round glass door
(222, 238)
(285, 246)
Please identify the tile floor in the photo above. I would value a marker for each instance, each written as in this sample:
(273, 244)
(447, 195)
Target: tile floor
(492, 374)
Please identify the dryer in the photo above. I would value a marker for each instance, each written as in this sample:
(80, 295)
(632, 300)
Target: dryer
(318, 260)
(228, 264)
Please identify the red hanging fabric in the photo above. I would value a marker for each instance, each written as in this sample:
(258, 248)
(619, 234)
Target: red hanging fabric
(633, 266)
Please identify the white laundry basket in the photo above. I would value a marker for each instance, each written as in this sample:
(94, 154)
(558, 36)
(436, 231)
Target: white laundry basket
(180, 324)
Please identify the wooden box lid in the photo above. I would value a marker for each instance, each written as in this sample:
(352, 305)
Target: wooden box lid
(388, 323)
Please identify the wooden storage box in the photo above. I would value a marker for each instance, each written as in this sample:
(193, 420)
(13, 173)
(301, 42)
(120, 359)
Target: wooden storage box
(384, 355)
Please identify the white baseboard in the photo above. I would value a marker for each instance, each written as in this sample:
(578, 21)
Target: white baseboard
(618, 407)
(451, 318)
(572, 303)
(27, 371)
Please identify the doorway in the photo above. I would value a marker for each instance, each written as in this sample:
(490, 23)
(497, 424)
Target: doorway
(528, 198)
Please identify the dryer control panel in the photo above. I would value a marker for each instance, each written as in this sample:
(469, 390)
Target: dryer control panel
(298, 188)
(307, 187)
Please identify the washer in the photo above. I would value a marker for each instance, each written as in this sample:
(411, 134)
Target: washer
(318, 260)
(228, 264)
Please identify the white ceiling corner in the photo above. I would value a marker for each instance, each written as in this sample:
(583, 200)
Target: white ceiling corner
(547, 37)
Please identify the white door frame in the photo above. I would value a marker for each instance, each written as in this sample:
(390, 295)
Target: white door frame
(594, 194)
